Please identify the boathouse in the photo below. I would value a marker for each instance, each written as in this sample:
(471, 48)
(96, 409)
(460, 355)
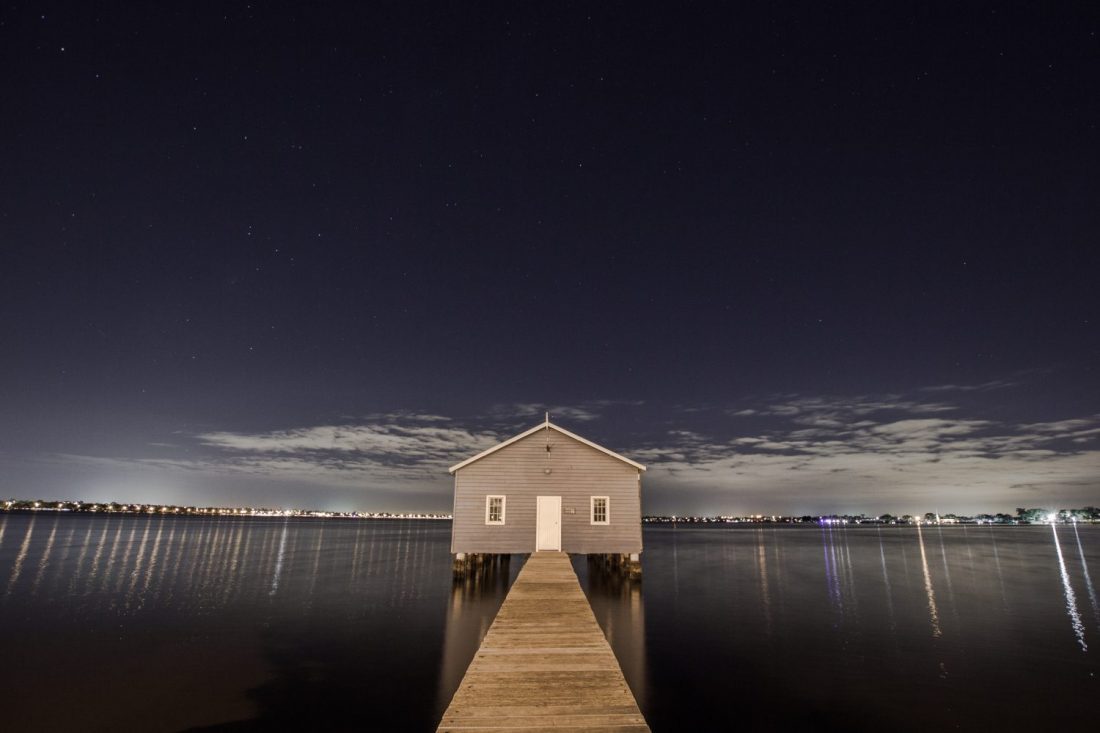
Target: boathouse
(547, 489)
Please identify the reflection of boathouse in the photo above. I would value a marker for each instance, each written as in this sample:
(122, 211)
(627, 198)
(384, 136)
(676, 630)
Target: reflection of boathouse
(547, 489)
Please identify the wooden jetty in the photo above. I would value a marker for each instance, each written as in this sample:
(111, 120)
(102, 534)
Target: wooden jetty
(544, 664)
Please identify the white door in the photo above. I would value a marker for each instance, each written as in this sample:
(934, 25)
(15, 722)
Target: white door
(548, 531)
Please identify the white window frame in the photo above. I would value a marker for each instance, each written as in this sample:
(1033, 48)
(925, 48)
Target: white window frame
(503, 507)
(606, 510)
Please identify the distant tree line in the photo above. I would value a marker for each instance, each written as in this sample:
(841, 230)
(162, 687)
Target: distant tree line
(1084, 514)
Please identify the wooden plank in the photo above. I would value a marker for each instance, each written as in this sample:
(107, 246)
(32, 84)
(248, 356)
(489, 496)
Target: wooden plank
(544, 664)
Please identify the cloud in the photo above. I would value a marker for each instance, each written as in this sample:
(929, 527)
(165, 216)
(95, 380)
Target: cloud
(399, 447)
(832, 411)
(983, 387)
(406, 451)
(399, 455)
(868, 453)
(586, 411)
(397, 441)
(785, 453)
(1067, 428)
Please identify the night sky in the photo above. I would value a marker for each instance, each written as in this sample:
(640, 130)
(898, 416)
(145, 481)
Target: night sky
(795, 258)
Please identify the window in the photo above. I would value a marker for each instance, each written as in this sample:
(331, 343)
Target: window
(494, 510)
(600, 510)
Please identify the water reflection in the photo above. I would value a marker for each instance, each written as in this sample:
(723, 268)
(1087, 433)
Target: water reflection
(997, 565)
(933, 613)
(139, 559)
(126, 564)
(762, 573)
(947, 573)
(886, 580)
(313, 624)
(84, 546)
(832, 575)
(307, 623)
(279, 559)
(120, 575)
(67, 543)
(45, 561)
(849, 573)
(474, 599)
(316, 562)
(618, 603)
(98, 554)
(151, 569)
(1085, 572)
(1071, 597)
(108, 571)
(17, 568)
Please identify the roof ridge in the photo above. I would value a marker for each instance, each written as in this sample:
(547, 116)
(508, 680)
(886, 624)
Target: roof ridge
(541, 426)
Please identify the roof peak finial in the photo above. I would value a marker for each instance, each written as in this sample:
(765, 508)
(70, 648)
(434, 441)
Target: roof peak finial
(547, 417)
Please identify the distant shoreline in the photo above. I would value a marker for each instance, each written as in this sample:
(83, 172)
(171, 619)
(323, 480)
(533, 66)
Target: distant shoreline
(25, 506)
(1085, 515)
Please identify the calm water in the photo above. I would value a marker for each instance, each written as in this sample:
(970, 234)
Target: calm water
(169, 624)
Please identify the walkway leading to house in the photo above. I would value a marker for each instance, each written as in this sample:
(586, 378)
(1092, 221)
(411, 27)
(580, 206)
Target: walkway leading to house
(544, 664)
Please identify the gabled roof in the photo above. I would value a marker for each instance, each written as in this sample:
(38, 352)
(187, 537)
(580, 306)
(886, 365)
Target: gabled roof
(544, 426)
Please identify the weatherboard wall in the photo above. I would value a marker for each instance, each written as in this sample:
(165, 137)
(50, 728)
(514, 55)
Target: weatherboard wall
(577, 473)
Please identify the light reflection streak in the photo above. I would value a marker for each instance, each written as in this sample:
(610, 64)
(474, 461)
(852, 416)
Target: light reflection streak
(233, 557)
(356, 552)
(947, 576)
(369, 562)
(399, 588)
(1085, 572)
(45, 561)
(207, 561)
(271, 553)
(886, 581)
(237, 583)
(997, 564)
(849, 574)
(413, 560)
(197, 558)
(279, 560)
(933, 614)
(152, 566)
(292, 552)
(316, 563)
(762, 570)
(230, 572)
(216, 574)
(93, 572)
(832, 582)
(125, 560)
(3, 529)
(80, 560)
(135, 574)
(168, 583)
(17, 568)
(225, 556)
(675, 572)
(1071, 597)
(267, 545)
(67, 544)
(777, 566)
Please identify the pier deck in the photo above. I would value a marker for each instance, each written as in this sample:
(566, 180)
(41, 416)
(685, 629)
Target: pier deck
(544, 663)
